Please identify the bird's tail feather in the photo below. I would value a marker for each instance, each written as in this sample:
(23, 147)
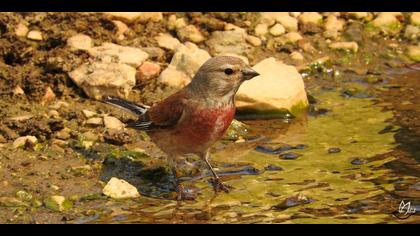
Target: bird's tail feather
(131, 107)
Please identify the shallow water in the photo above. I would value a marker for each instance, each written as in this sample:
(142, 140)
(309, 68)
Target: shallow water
(341, 187)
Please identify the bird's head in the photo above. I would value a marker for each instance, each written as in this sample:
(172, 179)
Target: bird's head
(221, 76)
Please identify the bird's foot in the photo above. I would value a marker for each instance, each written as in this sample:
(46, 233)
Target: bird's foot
(219, 186)
(184, 193)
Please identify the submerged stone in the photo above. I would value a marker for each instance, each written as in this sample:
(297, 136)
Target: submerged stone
(290, 156)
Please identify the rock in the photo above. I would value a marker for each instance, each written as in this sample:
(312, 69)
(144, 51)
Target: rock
(63, 134)
(295, 14)
(113, 123)
(98, 79)
(290, 156)
(332, 26)
(35, 35)
(310, 18)
(95, 121)
(121, 29)
(269, 18)
(292, 37)
(289, 23)
(2, 139)
(188, 58)
(130, 17)
(12, 202)
(128, 55)
(412, 32)
(296, 200)
(54, 114)
(147, 71)
(351, 46)
(277, 30)
(190, 33)
(167, 41)
(414, 53)
(174, 78)
(359, 161)
(334, 150)
(21, 30)
(80, 42)
(228, 42)
(387, 23)
(58, 203)
(180, 23)
(22, 141)
(18, 91)
(89, 114)
(296, 56)
(155, 53)
(24, 196)
(279, 87)
(237, 130)
(261, 30)
(272, 167)
(358, 15)
(120, 189)
(49, 95)
(90, 136)
(232, 27)
(415, 18)
(254, 41)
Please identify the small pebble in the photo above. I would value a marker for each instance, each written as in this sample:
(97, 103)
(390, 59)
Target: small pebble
(359, 161)
(290, 156)
(334, 150)
(272, 167)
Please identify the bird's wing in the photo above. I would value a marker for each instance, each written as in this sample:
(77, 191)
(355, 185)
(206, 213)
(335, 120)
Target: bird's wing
(164, 115)
(131, 107)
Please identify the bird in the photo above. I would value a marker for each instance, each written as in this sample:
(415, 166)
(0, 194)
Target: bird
(191, 120)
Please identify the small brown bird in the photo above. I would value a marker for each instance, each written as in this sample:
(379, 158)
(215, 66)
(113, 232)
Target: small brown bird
(193, 119)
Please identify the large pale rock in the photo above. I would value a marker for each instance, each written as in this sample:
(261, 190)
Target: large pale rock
(21, 30)
(80, 42)
(167, 41)
(228, 42)
(98, 79)
(253, 40)
(278, 88)
(111, 122)
(120, 189)
(188, 58)
(414, 53)
(174, 78)
(387, 22)
(351, 46)
(415, 18)
(21, 141)
(277, 30)
(333, 25)
(190, 33)
(127, 55)
(269, 18)
(130, 17)
(261, 30)
(310, 18)
(35, 35)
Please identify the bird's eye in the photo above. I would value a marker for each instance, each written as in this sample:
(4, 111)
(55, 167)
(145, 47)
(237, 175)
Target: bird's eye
(228, 71)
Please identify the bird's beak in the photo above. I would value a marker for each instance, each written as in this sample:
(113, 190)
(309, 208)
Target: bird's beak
(249, 73)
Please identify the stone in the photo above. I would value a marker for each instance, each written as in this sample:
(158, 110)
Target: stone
(228, 42)
(190, 33)
(167, 41)
(292, 37)
(12, 202)
(35, 35)
(279, 87)
(358, 15)
(189, 58)
(277, 30)
(113, 123)
(332, 26)
(289, 23)
(100, 79)
(261, 30)
(122, 28)
(95, 121)
(63, 134)
(130, 17)
(295, 14)
(269, 18)
(58, 203)
(89, 114)
(49, 95)
(414, 53)
(128, 55)
(120, 189)
(21, 30)
(155, 53)
(296, 56)
(415, 18)
(22, 141)
(174, 78)
(147, 71)
(18, 91)
(80, 42)
(180, 23)
(387, 23)
(310, 18)
(254, 41)
(232, 27)
(54, 114)
(351, 46)
(412, 32)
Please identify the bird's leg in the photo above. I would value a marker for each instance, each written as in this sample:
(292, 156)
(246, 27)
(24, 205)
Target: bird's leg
(181, 192)
(218, 185)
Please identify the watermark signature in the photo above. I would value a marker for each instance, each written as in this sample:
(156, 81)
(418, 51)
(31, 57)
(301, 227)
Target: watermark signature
(405, 210)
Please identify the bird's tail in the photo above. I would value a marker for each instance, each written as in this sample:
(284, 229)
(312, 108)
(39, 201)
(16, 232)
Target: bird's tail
(128, 106)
